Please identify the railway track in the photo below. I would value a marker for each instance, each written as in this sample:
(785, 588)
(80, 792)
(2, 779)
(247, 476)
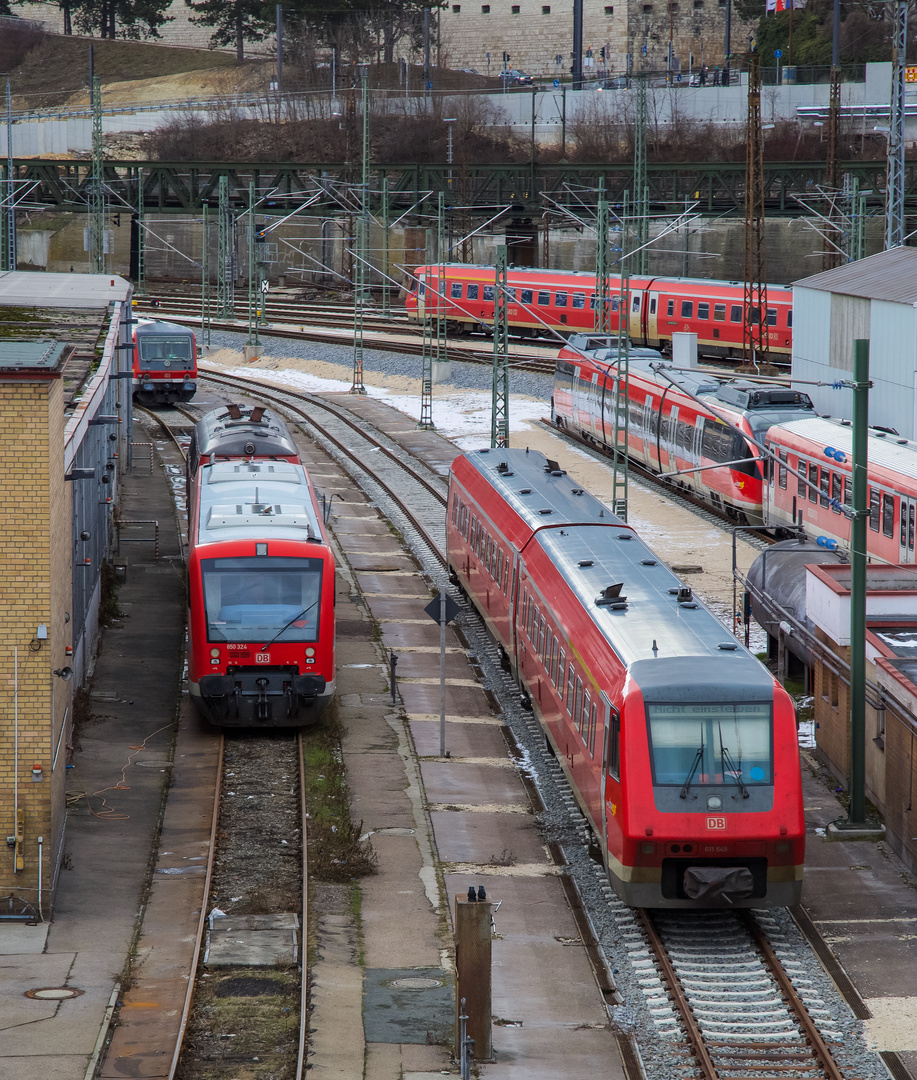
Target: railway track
(724, 995)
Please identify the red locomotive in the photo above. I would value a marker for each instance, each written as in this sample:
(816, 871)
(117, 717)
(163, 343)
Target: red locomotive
(679, 745)
(678, 422)
(260, 576)
(165, 362)
(565, 301)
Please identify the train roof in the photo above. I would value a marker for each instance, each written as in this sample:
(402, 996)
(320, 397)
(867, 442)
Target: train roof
(237, 431)
(884, 450)
(159, 326)
(248, 500)
(645, 613)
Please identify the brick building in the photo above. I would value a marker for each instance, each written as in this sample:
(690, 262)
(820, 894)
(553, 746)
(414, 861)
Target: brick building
(64, 421)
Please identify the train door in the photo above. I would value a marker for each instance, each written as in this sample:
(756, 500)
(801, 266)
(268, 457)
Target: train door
(611, 773)
(650, 320)
(633, 321)
(906, 529)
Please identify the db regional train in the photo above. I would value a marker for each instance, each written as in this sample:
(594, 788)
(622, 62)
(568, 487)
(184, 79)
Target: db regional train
(680, 746)
(565, 301)
(756, 454)
(261, 627)
(165, 362)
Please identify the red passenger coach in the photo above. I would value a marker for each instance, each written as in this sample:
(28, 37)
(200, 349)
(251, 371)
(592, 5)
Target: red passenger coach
(260, 580)
(165, 362)
(680, 746)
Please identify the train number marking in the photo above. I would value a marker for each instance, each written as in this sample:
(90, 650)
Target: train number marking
(716, 823)
(265, 658)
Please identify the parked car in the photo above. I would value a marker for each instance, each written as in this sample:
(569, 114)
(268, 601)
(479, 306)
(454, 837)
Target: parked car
(515, 77)
(617, 82)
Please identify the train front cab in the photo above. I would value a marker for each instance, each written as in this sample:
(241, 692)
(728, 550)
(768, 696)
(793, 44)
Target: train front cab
(261, 634)
(709, 813)
(165, 363)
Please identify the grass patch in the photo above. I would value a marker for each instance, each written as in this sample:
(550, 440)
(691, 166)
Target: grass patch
(336, 853)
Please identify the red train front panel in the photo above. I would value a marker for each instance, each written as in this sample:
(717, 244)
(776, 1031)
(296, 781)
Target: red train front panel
(165, 362)
(680, 747)
(810, 483)
(565, 301)
(261, 626)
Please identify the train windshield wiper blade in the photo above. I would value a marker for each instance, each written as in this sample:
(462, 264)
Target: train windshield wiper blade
(295, 618)
(698, 757)
(729, 767)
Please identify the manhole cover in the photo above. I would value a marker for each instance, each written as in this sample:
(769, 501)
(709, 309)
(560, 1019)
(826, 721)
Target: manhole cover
(53, 993)
(416, 984)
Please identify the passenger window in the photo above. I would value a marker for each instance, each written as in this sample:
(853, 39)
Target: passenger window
(541, 637)
(653, 305)
(472, 293)
(781, 468)
(888, 514)
(455, 506)
(635, 303)
(735, 312)
(825, 487)
(561, 661)
(525, 295)
(703, 311)
(560, 299)
(837, 489)
(874, 502)
(719, 312)
(789, 318)
(579, 300)
(592, 718)
(510, 295)
(771, 316)
(847, 490)
(587, 708)
(455, 290)
(670, 307)
(687, 309)
(578, 705)
(616, 303)
(570, 688)
(544, 299)
(813, 483)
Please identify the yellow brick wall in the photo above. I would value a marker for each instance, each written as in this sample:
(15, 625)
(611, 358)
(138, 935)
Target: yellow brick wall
(35, 589)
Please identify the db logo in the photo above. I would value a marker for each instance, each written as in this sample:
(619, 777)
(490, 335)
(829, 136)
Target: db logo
(265, 658)
(716, 823)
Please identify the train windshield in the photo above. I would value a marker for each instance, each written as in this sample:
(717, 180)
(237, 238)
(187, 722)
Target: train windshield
(692, 743)
(262, 599)
(165, 350)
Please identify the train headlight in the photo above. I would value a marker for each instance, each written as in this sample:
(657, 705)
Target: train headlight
(310, 652)
(714, 802)
(215, 652)
(647, 849)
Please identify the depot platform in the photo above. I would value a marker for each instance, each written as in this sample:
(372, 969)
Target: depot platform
(432, 820)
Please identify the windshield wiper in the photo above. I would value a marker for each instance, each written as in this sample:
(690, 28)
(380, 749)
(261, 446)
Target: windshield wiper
(698, 758)
(729, 766)
(295, 618)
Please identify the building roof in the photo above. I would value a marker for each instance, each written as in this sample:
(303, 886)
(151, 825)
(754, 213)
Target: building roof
(890, 275)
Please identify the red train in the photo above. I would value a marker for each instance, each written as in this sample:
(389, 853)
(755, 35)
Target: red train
(260, 576)
(670, 431)
(679, 745)
(165, 362)
(565, 301)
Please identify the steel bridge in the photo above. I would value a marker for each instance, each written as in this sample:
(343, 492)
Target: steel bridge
(184, 187)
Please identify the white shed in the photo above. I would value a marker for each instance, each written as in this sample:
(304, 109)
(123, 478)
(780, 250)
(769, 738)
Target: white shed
(876, 299)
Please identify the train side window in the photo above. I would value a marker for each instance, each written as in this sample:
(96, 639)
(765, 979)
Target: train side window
(813, 483)
(500, 565)
(561, 667)
(847, 490)
(455, 290)
(473, 534)
(579, 300)
(616, 303)
(771, 316)
(544, 299)
(874, 503)
(472, 293)
(486, 554)
(910, 527)
(825, 485)
(560, 299)
(781, 468)
(888, 514)
(687, 309)
(719, 312)
(489, 292)
(789, 318)
(592, 719)
(510, 295)
(548, 638)
(455, 506)
(533, 626)
(505, 574)
(635, 303)
(525, 295)
(578, 705)
(571, 686)
(837, 488)
(902, 537)
(555, 649)
(541, 637)
(703, 311)
(612, 746)
(587, 709)
(464, 522)
(735, 312)
(670, 307)
(652, 305)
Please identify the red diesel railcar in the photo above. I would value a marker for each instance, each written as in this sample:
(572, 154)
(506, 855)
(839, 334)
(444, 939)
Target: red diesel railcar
(679, 745)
